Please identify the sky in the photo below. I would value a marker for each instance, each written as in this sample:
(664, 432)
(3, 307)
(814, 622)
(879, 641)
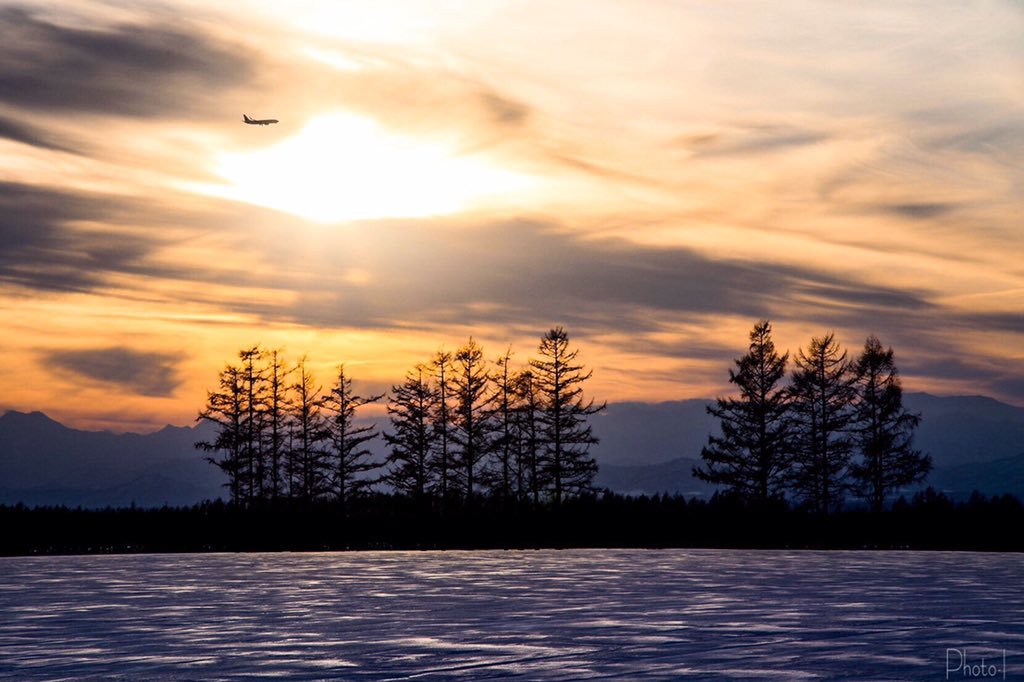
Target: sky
(654, 176)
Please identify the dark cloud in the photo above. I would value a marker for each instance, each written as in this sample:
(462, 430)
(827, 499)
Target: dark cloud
(919, 211)
(35, 248)
(829, 291)
(26, 134)
(39, 249)
(506, 273)
(997, 321)
(947, 366)
(146, 69)
(1011, 387)
(1001, 378)
(148, 374)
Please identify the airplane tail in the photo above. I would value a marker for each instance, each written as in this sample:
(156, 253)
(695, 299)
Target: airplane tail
(245, 117)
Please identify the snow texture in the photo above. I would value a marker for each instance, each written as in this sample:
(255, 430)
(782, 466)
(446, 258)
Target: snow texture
(587, 614)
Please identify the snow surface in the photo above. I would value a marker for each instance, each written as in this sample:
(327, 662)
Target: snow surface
(586, 614)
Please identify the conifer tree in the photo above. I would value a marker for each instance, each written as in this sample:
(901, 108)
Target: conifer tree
(276, 420)
(883, 429)
(442, 417)
(822, 404)
(225, 409)
(411, 439)
(750, 457)
(566, 433)
(307, 427)
(527, 437)
(502, 476)
(473, 414)
(254, 388)
(348, 456)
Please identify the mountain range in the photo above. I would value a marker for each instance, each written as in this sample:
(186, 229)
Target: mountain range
(976, 443)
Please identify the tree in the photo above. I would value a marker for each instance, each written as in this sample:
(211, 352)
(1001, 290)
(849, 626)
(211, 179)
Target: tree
(442, 421)
(503, 475)
(226, 409)
(822, 400)
(473, 414)
(527, 437)
(566, 435)
(751, 458)
(254, 389)
(307, 427)
(411, 439)
(348, 455)
(276, 417)
(883, 429)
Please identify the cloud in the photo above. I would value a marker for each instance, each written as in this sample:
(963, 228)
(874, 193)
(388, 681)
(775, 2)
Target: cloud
(1002, 321)
(147, 374)
(34, 250)
(509, 275)
(425, 99)
(1011, 386)
(817, 179)
(972, 370)
(919, 211)
(504, 111)
(751, 140)
(510, 272)
(148, 69)
(40, 250)
(26, 134)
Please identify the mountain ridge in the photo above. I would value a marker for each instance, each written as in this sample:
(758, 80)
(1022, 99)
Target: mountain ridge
(645, 448)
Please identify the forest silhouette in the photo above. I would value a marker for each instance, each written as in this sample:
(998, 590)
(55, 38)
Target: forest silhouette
(486, 454)
(462, 427)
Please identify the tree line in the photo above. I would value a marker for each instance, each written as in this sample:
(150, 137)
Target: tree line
(459, 426)
(928, 520)
(837, 427)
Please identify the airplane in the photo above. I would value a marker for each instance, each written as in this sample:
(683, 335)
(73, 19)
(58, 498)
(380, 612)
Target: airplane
(258, 121)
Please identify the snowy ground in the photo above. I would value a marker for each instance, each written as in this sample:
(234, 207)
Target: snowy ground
(595, 614)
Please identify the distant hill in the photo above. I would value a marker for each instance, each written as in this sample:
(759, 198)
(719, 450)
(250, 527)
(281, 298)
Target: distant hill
(45, 462)
(976, 443)
(1000, 476)
(673, 476)
(967, 429)
(651, 433)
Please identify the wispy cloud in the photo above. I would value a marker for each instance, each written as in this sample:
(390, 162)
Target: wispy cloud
(691, 168)
(151, 69)
(750, 140)
(30, 135)
(40, 247)
(145, 373)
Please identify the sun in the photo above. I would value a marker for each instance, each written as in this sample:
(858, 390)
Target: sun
(345, 167)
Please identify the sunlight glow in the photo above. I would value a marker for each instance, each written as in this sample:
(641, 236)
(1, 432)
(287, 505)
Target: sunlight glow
(346, 167)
